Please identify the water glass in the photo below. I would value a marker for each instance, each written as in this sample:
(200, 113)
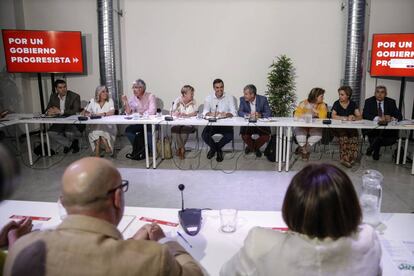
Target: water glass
(308, 118)
(136, 116)
(228, 220)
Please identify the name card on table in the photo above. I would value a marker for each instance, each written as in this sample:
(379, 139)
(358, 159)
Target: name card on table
(162, 222)
(31, 217)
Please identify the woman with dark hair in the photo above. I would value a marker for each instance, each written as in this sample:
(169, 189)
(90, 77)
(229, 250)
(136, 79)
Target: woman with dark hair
(347, 110)
(325, 236)
(315, 107)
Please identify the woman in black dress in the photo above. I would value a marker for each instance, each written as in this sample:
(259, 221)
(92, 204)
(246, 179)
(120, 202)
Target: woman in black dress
(347, 110)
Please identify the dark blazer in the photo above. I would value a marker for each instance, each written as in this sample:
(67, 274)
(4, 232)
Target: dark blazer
(72, 103)
(262, 106)
(371, 109)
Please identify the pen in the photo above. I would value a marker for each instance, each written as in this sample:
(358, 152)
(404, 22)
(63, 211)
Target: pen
(181, 236)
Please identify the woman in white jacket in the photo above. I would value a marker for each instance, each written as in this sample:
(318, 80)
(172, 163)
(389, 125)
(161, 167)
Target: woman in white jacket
(101, 135)
(325, 236)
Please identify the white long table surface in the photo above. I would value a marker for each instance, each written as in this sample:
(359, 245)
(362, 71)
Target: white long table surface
(211, 247)
(277, 122)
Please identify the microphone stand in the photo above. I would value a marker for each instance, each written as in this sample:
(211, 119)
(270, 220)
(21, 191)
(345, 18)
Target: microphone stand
(170, 118)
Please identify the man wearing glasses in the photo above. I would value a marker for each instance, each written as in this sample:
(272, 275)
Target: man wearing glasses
(87, 242)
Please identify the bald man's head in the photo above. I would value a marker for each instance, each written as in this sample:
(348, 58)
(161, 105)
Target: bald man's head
(86, 182)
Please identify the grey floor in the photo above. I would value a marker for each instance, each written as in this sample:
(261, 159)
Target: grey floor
(240, 181)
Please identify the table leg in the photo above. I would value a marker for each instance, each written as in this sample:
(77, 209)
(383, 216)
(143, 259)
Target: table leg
(146, 147)
(17, 140)
(397, 161)
(284, 148)
(412, 167)
(276, 147)
(154, 148)
(162, 143)
(29, 147)
(289, 137)
(280, 148)
(42, 140)
(48, 143)
(406, 147)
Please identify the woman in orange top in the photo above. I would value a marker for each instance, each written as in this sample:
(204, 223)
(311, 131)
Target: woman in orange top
(308, 136)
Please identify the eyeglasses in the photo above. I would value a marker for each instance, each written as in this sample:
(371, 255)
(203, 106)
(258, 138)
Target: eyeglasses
(123, 186)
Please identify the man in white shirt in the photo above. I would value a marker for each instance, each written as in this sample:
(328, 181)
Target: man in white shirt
(218, 105)
(64, 103)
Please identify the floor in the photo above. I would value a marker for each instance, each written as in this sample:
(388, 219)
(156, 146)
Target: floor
(241, 181)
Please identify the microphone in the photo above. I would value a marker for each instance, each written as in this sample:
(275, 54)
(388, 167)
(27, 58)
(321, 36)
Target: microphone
(170, 118)
(84, 118)
(181, 187)
(214, 119)
(190, 219)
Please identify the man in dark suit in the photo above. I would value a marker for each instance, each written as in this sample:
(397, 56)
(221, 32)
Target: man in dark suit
(381, 109)
(254, 106)
(64, 103)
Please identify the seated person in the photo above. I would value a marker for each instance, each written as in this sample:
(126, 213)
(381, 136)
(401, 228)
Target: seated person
(87, 242)
(380, 108)
(315, 107)
(184, 106)
(256, 106)
(141, 102)
(9, 170)
(64, 103)
(325, 236)
(101, 135)
(218, 105)
(347, 110)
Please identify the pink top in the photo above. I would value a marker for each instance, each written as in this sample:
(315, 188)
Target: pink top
(147, 103)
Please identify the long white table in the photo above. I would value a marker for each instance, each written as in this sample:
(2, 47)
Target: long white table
(211, 247)
(282, 125)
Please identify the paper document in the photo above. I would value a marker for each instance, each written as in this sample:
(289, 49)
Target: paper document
(401, 254)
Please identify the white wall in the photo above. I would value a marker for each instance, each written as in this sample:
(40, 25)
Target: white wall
(175, 42)
(172, 43)
(64, 16)
(391, 17)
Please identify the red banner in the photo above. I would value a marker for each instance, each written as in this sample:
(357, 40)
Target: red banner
(43, 51)
(392, 55)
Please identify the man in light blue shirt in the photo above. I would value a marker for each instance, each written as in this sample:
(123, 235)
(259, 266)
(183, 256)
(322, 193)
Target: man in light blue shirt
(218, 105)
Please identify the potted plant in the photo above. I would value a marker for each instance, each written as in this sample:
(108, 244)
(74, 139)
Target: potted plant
(281, 87)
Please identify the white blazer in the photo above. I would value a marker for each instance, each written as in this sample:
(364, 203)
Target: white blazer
(270, 252)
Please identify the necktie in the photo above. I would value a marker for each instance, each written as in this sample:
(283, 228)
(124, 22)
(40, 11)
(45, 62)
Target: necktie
(380, 113)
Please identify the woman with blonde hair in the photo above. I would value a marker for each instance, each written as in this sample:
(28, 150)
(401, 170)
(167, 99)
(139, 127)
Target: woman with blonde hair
(184, 106)
(324, 237)
(315, 107)
(101, 135)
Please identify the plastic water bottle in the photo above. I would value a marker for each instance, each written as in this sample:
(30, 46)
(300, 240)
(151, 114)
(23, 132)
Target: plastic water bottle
(371, 197)
(308, 113)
